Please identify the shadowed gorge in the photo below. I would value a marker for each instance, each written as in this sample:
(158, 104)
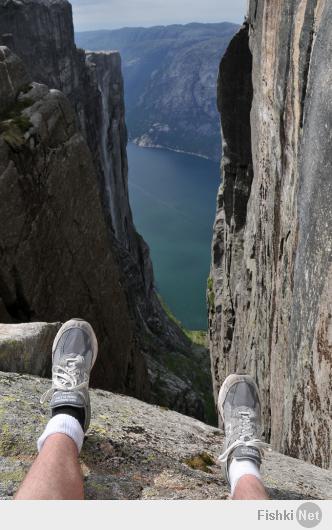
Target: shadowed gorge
(72, 248)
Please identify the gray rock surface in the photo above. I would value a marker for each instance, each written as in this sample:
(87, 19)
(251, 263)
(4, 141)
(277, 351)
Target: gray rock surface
(138, 451)
(41, 33)
(26, 348)
(13, 76)
(234, 84)
(52, 263)
(107, 67)
(273, 277)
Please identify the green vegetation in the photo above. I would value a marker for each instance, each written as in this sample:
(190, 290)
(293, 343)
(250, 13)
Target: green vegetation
(197, 337)
(14, 124)
(202, 461)
(168, 312)
(211, 295)
(194, 366)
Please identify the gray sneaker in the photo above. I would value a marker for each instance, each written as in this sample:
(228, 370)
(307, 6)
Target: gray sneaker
(74, 353)
(240, 409)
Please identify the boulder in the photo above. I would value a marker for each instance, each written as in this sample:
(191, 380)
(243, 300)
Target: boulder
(26, 348)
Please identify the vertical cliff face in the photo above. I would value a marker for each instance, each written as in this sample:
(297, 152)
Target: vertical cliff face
(41, 33)
(228, 238)
(271, 279)
(122, 295)
(113, 139)
(52, 263)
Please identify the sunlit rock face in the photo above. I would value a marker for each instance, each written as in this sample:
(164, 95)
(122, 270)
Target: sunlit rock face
(270, 288)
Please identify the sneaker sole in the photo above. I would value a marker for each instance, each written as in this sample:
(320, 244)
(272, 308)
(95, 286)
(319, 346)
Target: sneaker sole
(82, 324)
(227, 384)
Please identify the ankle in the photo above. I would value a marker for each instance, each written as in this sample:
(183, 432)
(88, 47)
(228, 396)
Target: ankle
(63, 424)
(249, 487)
(240, 468)
(75, 412)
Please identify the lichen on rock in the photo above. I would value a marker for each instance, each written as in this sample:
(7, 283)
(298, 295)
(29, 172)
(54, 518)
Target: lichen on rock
(134, 450)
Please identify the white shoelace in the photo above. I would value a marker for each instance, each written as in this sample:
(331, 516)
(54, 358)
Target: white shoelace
(246, 431)
(65, 377)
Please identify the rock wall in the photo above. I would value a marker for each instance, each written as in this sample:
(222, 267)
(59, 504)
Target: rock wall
(138, 451)
(41, 33)
(271, 271)
(228, 236)
(107, 66)
(52, 265)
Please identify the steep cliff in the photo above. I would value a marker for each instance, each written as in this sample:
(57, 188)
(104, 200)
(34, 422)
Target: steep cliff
(270, 287)
(137, 451)
(52, 263)
(113, 139)
(107, 279)
(41, 33)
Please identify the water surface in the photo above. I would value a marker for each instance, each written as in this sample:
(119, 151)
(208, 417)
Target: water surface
(173, 198)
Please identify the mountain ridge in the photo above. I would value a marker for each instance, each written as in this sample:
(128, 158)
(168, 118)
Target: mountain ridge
(170, 75)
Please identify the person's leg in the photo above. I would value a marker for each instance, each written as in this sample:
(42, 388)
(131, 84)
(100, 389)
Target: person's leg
(239, 407)
(250, 488)
(56, 473)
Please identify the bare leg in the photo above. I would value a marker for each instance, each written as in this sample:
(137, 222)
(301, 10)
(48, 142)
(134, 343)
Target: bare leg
(56, 473)
(250, 488)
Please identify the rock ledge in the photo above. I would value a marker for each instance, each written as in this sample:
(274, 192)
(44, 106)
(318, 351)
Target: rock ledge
(138, 451)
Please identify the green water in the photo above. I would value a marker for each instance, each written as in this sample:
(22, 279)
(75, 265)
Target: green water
(173, 198)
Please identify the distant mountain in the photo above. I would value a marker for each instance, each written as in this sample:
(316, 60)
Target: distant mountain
(170, 77)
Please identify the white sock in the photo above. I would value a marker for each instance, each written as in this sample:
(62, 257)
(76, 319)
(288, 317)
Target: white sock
(238, 468)
(66, 424)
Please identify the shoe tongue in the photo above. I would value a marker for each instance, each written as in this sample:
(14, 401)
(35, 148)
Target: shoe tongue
(69, 398)
(244, 395)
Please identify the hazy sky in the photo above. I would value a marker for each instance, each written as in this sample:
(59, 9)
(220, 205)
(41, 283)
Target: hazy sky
(109, 14)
